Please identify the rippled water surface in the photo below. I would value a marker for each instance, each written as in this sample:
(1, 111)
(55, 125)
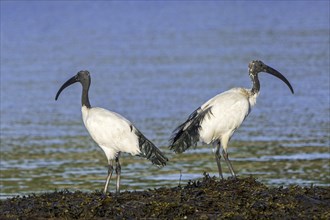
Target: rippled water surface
(154, 63)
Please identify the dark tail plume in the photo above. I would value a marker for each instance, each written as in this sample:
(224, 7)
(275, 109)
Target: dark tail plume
(187, 134)
(150, 151)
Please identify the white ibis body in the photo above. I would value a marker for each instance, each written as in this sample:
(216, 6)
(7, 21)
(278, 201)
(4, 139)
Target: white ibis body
(112, 132)
(216, 120)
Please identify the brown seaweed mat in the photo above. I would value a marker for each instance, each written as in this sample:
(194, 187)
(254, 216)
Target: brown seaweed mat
(208, 198)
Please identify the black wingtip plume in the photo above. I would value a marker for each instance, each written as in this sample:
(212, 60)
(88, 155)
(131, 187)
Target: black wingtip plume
(187, 134)
(150, 151)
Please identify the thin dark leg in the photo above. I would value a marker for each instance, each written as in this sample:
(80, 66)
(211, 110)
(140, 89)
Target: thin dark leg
(110, 171)
(217, 158)
(118, 172)
(225, 155)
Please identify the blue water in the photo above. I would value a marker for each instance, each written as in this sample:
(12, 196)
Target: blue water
(155, 62)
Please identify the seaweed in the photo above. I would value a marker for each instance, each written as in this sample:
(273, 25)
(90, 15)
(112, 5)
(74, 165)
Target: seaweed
(206, 198)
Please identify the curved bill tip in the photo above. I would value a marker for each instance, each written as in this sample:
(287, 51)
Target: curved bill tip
(57, 95)
(66, 84)
(274, 72)
(292, 90)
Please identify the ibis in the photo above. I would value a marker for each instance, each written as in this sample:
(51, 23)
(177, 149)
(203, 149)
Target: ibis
(216, 120)
(112, 132)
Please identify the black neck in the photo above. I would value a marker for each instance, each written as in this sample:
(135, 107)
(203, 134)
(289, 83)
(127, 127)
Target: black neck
(84, 96)
(256, 84)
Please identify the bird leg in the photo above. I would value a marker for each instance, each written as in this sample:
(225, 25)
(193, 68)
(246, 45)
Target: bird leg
(225, 155)
(118, 172)
(217, 158)
(110, 171)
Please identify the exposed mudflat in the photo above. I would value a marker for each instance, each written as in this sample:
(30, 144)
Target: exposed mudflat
(242, 198)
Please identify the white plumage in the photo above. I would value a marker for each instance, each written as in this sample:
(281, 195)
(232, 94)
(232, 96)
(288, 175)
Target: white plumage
(112, 132)
(217, 119)
(231, 106)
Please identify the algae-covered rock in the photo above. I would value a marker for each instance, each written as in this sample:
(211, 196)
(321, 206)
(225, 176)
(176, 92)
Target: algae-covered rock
(242, 198)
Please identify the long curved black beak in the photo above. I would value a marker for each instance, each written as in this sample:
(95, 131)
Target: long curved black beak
(66, 84)
(274, 72)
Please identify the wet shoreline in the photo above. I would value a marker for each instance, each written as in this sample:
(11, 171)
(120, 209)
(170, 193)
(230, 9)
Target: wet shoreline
(82, 167)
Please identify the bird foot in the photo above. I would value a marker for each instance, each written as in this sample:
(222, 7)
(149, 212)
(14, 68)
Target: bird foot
(232, 177)
(104, 195)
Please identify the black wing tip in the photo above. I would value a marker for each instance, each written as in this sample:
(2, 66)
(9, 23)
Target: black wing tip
(174, 141)
(161, 162)
(174, 147)
(159, 158)
(187, 134)
(150, 151)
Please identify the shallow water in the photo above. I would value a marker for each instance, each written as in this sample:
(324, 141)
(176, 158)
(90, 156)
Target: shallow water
(154, 63)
